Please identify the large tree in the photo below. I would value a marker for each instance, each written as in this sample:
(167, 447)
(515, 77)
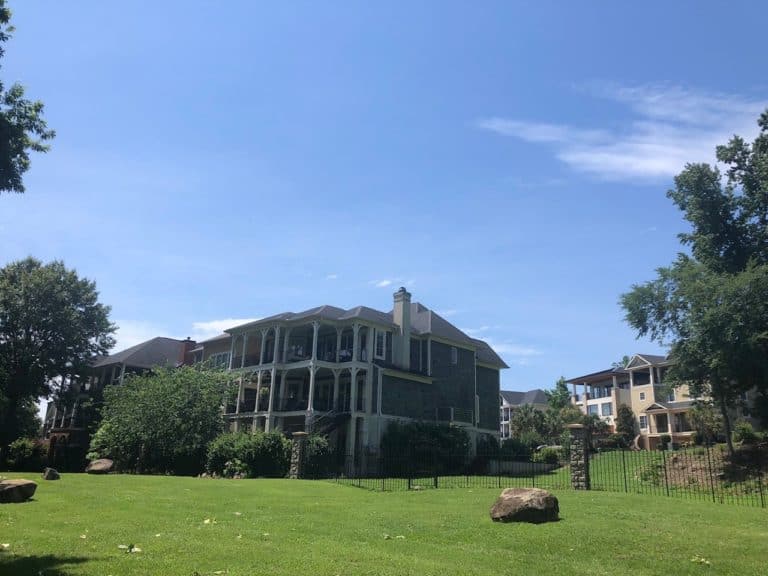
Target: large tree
(22, 127)
(559, 397)
(51, 325)
(711, 305)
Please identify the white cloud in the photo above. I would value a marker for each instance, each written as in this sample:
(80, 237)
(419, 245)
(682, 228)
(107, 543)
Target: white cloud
(447, 313)
(512, 352)
(382, 283)
(332, 277)
(670, 127)
(130, 333)
(211, 328)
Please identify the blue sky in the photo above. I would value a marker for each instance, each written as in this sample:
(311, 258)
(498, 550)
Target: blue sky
(218, 161)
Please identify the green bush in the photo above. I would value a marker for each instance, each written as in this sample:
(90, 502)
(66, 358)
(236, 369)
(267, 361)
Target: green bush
(26, 454)
(259, 455)
(317, 463)
(424, 448)
(549, 455)
(612, 442)
(744, 433)
(514, 449)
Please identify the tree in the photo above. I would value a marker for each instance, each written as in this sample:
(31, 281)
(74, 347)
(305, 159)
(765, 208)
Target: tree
(22, 127)
(163, 421)
(706, 421)
(625, 423)
(529, 422)
(559, 397)
(711, 306)
(51, 324)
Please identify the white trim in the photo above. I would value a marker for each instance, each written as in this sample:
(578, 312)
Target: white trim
(406, 375)
(383, 334)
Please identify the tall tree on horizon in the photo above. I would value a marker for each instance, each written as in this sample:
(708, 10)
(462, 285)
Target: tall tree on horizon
(22, 127)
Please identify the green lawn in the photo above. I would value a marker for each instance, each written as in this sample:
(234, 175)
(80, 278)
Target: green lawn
(187, 526)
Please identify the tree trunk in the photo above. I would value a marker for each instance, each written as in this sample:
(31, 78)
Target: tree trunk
(726, 424)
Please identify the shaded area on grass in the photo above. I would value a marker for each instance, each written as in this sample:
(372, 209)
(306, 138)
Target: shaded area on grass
(48, 565)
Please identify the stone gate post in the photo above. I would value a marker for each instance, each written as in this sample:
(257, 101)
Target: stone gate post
(298, 453)
(579, 457)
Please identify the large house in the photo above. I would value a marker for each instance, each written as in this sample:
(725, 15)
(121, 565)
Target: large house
(659, 409)
(510, 401)
(349, 373)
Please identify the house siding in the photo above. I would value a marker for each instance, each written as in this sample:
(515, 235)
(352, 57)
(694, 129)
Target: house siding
(488, 391)
(454, 383)
(407, 398)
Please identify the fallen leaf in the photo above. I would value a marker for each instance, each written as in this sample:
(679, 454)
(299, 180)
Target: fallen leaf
(239, 536)
(387, 537)
(157, 535)
(5, 546)
(135, 549)
(238, 513)
(400, 537)
(123, 546)
(83, 536)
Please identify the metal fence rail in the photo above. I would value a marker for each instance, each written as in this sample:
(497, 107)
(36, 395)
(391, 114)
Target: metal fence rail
(699, 473)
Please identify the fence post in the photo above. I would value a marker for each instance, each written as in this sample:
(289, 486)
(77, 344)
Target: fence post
(298, 453)
(624, 467)
(666, 476)
(760, 484)
(711, 478)
(580, 479)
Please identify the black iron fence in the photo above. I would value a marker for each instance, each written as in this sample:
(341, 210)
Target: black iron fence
(699, 473)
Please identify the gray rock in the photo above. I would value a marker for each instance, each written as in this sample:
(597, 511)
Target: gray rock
(100, 466)
(16, 490)
(50, 474)
(525, 505)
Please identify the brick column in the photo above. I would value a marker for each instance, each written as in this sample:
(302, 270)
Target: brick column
(298, 453)
(579, 457)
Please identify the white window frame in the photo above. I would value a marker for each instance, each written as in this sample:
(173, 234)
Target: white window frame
(383, 335)
(215, 360)
(642, 395)
(454, 356)
(643, 419)
(602, 409)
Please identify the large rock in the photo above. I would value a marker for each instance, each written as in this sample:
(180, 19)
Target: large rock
(525, 505)
(50, 474)
(101, 466)
(16, 490)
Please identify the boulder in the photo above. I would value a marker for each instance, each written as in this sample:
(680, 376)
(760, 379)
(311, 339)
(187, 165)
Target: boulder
(16, 490)
(100, 466)
(50, 474)
(525, 505)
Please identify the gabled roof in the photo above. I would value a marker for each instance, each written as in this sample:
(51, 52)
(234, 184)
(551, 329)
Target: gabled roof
(487, 355)
(597, 376)
(645, 360)
(515, 398)
(158, 351)
(664, 406)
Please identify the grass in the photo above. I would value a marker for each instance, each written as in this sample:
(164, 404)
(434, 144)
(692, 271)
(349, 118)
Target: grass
(75, 525)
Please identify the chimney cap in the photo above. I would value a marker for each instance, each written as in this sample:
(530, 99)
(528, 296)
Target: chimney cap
(402, 293)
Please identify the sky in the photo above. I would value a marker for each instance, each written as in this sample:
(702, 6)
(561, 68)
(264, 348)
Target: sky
(507, 162)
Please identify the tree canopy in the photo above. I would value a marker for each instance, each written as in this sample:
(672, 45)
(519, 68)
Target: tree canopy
(710, 306)
(163, 421)
(559, 397)
(22, 127)
(51, 324)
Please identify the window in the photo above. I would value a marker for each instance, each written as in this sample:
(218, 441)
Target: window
(606, 409)
(381, 345)
(643, 422)
(220, 360)
(642, 395)
(454, 356)
(671, 396)
(592, 409)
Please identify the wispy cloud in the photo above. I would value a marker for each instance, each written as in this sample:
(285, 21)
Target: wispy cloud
(211, 328)
(130, 332)
(447, 313)
(670, 126)
(332, 277)
(384, 282)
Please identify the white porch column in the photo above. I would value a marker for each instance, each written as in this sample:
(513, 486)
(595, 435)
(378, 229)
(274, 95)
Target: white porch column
(263, 345)
(231, 351)
(586, 397)
(240, 387)
(122, 373)
(315, 334)
(276, 354)
(286, 344)
(653, 379)
(272, 380)
(258, 391)
(311, 399)
(339, 330)
(369, 392)
(355, 343)
(245, 343)
(335, 389)
(281, 398)
(429, 356)
(353, 391)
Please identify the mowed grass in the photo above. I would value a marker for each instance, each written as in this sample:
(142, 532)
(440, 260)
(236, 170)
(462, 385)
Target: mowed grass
(75, 525)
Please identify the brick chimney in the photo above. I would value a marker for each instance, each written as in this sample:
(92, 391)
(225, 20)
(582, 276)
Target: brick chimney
(401, 316)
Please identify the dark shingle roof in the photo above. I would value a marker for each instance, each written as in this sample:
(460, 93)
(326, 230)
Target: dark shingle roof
(514, 398)
(158, 351)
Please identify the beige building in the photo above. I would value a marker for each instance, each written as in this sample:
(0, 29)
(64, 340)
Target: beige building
(659, 409)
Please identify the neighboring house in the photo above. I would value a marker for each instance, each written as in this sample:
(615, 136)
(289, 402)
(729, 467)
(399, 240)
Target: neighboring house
(351, 372)
(659, 409)
(511, 400)
(113, 369)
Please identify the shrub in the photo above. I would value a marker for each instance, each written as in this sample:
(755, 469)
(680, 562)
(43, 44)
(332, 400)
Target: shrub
(26, 454)
(253, 455)
(744, 433)
(612, 442)
(514, 449)
(424, 447)
(549, 455)
(317, 463)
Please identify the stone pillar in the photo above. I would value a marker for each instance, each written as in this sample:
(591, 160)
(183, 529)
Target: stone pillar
(579, 456)
(298, 452)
